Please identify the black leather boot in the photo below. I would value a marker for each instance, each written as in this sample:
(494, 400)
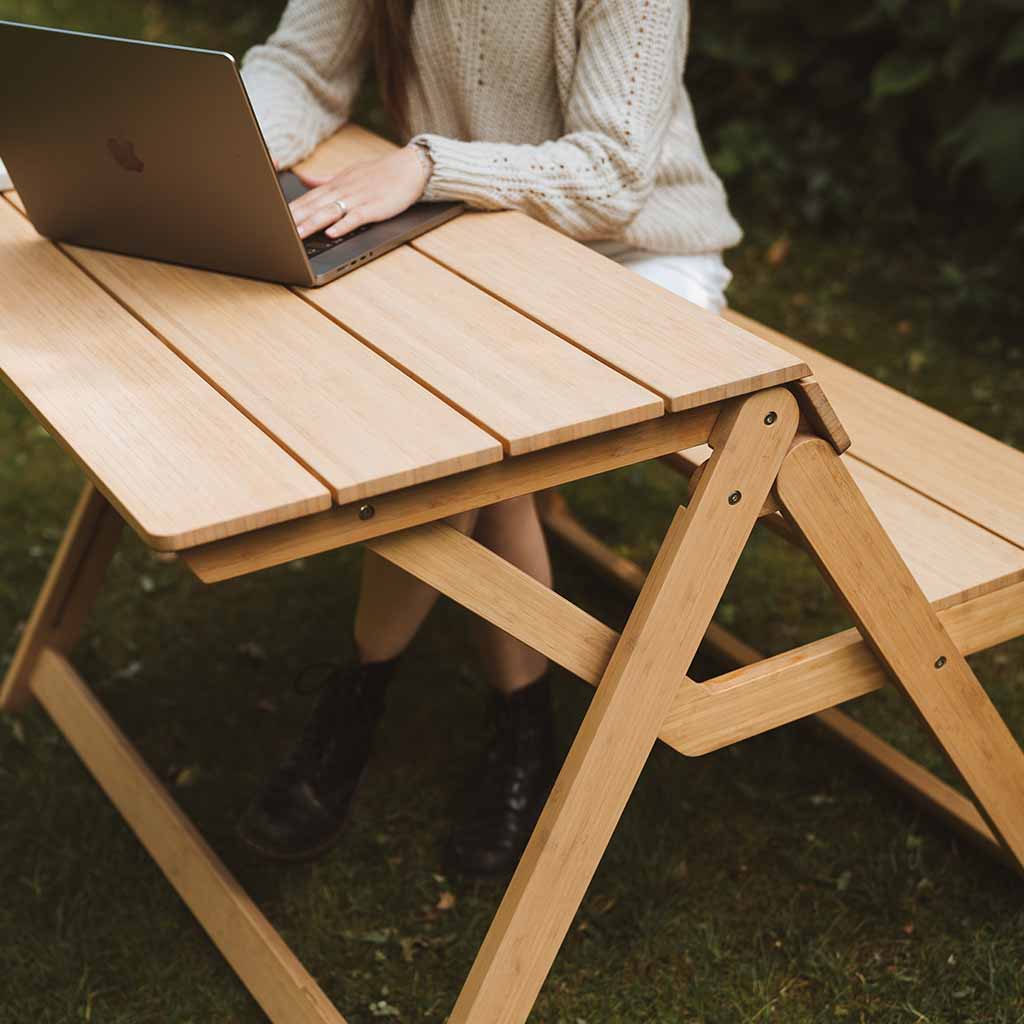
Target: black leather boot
(301, 811)
(509, 788)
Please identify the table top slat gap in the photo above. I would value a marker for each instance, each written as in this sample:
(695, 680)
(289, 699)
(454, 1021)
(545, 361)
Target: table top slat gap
(358, 422)
(531, 318)
(643, 330)
(502, 370)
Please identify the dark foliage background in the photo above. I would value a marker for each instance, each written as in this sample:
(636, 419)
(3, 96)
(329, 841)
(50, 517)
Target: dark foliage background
(919, 102)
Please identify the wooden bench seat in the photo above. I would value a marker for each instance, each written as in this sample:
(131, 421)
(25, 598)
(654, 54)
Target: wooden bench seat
(939, 487)
(940, 490)
(953, 464)
(952, 558)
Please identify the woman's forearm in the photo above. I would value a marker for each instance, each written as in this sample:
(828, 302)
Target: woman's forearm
(593, 180)
(584, 184)
(303, 80)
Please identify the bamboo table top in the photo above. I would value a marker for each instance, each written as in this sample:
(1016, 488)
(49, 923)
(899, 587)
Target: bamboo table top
(207, 406)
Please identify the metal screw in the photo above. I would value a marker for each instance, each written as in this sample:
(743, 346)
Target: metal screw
(940, 661)
(734, 498)
(770, 418)
(366, 512)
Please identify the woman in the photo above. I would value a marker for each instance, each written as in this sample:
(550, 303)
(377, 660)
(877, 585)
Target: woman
(574, 112)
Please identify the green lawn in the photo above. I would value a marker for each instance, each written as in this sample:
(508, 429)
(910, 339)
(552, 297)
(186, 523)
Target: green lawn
(772, 881)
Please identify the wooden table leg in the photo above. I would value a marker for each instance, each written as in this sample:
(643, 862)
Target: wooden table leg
(638, 688)
(896, 620)
(66, 599)
(259, 956)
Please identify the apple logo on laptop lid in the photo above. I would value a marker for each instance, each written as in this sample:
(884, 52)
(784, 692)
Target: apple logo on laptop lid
(123, 151)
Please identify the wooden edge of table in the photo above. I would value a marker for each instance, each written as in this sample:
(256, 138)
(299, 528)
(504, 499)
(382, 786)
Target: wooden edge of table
(448, 496)
(317, 503)
(818, 409)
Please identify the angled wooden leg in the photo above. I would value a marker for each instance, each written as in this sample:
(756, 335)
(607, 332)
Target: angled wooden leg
(268, 968)
(857, 556)
(67, 596)
(638, 687)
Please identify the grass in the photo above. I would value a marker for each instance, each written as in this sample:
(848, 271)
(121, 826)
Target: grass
(774, 881)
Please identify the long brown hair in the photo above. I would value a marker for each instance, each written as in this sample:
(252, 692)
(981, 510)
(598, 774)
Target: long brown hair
(390, 38)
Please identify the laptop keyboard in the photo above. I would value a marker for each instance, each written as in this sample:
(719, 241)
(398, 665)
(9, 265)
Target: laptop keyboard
(319, 242)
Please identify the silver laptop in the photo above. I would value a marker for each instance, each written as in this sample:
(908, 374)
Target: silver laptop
(154, 150)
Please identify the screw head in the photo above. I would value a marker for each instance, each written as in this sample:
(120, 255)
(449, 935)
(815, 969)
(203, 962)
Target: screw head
(735, 498)
(366, 512)
(770, 418)
(940, 661)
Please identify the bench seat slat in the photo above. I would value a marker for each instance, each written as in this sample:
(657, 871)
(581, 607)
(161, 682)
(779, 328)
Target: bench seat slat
(956, 465)
(182, 465)
(952, 558)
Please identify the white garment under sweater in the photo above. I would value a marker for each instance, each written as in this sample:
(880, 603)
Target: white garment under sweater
(701, 279)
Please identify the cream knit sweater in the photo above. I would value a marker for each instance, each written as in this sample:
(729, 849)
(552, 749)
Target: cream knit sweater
(573, 111)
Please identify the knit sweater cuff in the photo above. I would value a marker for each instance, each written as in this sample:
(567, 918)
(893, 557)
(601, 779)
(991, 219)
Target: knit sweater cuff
(462, 170)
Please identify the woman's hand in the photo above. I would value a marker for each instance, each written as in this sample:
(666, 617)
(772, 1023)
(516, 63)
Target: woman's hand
(362, 193)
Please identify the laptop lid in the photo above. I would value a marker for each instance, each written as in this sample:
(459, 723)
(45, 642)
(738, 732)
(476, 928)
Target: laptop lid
(145, 149)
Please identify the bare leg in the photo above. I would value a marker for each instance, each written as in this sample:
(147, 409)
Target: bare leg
(393, 604)
(512, 530)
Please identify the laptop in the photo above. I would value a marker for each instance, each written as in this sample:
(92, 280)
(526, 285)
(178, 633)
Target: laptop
(153, 150)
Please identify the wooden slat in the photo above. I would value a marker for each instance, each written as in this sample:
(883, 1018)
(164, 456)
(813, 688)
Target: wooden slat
(951, 558)
(820, 675)
(505, 596)
(177, 460)
(854, 553)
(686, 354)
(361, 425)
(446, 497)
(962, 468)
(352, 144)
(525, 384)
(259, 956)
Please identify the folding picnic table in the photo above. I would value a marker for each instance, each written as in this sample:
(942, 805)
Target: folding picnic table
(244, 424)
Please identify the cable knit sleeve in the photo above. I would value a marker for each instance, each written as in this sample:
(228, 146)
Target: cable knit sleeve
(303, 80)
(593, 180)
